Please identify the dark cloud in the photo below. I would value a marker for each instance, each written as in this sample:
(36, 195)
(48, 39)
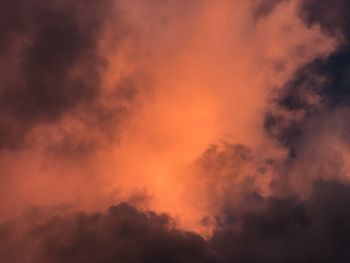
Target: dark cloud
(291, 230)
(333, 16)
(316, 89)
(286, 131)
(100, 120)
(324, 80)
(271, 230)
(49, 59)
(299, 100)
(124, 234)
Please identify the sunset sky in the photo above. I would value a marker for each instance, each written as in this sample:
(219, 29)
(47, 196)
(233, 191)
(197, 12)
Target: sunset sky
(174, 131)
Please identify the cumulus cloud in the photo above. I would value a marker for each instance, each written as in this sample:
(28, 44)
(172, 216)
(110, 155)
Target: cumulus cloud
(270, 230)
(219, 127)
(50, 62)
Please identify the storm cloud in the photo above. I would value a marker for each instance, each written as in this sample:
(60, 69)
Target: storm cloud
(164, 131)
(271, 230)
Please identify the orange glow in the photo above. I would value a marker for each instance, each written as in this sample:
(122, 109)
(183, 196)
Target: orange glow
(207, 77)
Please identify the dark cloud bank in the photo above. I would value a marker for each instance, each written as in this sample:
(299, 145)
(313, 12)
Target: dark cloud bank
(328, 78)
(51, 65)
(37, 85)
(273, 230)
(41, 45)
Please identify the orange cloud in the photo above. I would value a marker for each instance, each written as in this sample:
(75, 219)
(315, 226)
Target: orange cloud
(178, 78)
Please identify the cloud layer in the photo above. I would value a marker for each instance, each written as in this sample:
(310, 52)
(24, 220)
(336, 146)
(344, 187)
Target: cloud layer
(271, 230)
(219, 127)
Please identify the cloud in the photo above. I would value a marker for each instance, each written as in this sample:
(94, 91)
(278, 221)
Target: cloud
(332, 16)
(215, 113)
(122, 234)
(124, 96)
(51, 62)
(292, 230)
(272, 230)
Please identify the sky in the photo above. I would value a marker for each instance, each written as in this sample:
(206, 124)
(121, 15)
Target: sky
(174, 131)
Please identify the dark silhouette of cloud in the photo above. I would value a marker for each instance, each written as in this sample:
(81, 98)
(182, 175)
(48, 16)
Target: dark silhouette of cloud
(124, 234)
(326, 81)
(50, 61)
(271, 230)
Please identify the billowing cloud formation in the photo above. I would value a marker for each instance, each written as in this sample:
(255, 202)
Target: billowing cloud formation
(52, 93)
(50, 61)
(271, 230)
(123, 234)
(220, 127)
(318, 86)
